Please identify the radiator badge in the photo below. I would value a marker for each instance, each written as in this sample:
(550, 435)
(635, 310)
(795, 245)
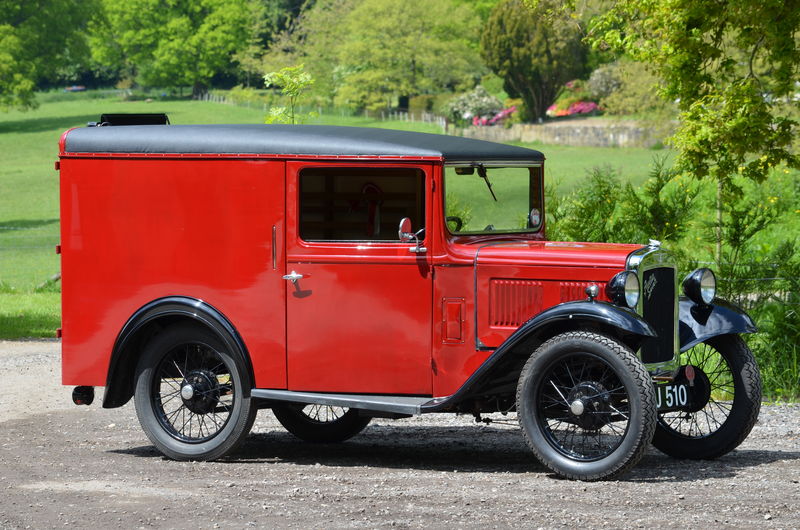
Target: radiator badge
(649, 285)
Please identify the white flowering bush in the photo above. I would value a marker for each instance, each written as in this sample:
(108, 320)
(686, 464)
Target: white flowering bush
(478, 103)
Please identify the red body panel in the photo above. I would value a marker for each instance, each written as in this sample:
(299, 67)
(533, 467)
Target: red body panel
(134, 230)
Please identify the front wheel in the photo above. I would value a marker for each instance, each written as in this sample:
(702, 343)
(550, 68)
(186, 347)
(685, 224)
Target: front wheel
(192, 395)
(586, 405)
(320, 423)
(728, 385)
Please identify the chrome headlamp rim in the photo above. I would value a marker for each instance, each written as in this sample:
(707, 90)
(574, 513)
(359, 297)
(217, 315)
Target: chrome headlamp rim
(700, 286)
(623, 289)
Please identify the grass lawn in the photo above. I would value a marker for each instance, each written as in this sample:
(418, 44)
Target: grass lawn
(29, 228)
(29, 315)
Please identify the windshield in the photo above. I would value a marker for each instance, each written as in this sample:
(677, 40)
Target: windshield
(486, 200)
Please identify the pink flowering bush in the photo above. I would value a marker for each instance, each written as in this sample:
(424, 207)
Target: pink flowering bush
(573, 99)
(496, 119)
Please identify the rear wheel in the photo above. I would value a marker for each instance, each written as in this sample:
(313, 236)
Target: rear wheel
(320, 423)
(192, 395)
(727, 400)
(586, 405)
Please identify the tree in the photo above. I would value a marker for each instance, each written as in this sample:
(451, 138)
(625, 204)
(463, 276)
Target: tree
(367, 53)
(402, 49)
(313, 39)
(171, 43)
(293, 82)
(396, 49)
(732, 66)
(267, 20)
(534, 54)
(37, 40)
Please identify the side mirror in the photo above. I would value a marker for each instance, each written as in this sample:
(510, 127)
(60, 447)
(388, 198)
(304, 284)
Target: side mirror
(406, 234)
(404, 230)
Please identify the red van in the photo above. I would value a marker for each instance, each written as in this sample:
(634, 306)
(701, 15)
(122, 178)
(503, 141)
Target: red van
(336, 274)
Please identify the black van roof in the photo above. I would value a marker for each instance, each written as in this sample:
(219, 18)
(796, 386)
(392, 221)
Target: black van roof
(316, 140)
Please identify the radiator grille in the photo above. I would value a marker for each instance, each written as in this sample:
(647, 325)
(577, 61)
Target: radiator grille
(512, 302)
(658, 309)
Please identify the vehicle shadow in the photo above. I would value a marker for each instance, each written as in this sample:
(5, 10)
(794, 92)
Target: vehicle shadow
(25, 224)
(33, 125)
(465, 449)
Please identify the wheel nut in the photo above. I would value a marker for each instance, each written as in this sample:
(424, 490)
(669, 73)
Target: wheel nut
(576, 407)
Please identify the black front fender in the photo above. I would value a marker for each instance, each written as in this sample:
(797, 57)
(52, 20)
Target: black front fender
(699, 323)
(566, 316)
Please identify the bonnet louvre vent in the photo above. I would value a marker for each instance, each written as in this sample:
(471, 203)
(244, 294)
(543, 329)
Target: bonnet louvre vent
(571, 291)
(512, 302)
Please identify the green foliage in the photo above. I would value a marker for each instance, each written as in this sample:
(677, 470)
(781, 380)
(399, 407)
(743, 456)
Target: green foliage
(768, 286)
(170, 44)
(534, 54)
(39, 41)
(478, 102)
(746, 214)
(457, 208)
(365, 54)
(293, 81)
(246, 95)
(572, 92)
(731, 66)
(663, 208)
(267, 19)
(313, 39)
(631, 88)
(589, 212)
(603, 82)
(391, 49)
(483, 8)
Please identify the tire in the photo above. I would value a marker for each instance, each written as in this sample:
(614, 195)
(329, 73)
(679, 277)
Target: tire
(209, 420)
(320, 423)
(586, 405)
(716, 427)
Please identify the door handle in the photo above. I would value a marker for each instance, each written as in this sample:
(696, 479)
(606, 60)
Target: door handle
(294, 276)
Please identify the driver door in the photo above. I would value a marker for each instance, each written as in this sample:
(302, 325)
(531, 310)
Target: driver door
(359, 308)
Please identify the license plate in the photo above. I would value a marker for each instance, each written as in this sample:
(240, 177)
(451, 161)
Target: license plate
(673, 396)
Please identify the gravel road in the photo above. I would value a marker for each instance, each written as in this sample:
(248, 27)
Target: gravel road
(68, 466)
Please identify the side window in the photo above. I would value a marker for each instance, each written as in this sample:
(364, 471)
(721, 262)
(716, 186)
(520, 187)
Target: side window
(359, 204)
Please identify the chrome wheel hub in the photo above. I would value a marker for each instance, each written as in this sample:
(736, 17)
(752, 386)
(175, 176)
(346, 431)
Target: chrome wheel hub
(187, 392)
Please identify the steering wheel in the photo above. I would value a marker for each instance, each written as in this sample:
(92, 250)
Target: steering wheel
(455, 219)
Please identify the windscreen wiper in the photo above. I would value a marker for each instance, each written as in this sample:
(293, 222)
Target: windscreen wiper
(482, 174)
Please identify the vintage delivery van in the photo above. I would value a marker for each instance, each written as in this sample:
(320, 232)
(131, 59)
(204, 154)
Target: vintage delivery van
(336, 274)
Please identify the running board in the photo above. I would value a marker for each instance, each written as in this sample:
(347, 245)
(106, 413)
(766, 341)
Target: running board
(397, 404)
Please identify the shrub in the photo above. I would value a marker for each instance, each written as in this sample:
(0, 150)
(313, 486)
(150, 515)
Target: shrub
(573, 98)
(589, 212)
(604, 81)
(663, 208)
(479, 102)
(636, 94)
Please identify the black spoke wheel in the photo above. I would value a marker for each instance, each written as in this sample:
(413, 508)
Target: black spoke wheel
(586, 405)
(320, 423)
(192, 395)
(724, 410)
